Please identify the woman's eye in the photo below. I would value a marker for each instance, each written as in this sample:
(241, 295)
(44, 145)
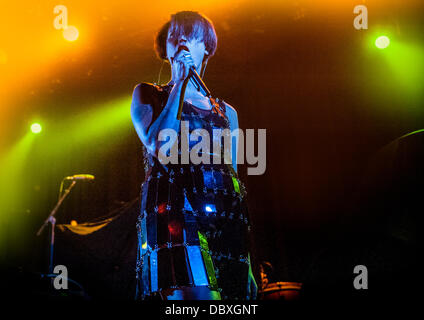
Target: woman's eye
(172, 41)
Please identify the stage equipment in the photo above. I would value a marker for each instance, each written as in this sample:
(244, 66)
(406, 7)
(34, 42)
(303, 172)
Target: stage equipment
(80, 177)
(281, 291)
(276, 290)
(51, 218)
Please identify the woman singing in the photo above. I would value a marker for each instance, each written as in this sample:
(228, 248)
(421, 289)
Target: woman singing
(193, 229)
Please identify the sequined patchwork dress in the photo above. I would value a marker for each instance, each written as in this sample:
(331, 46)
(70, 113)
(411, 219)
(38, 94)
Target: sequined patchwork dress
(193, 229)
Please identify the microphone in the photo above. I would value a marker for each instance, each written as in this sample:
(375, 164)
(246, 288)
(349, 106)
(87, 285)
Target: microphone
(195, 76)
(80, 177)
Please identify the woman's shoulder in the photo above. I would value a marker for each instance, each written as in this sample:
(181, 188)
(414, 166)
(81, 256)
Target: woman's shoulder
(147, 93)
(229, 109)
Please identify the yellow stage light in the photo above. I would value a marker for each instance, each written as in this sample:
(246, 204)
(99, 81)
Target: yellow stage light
(36, 128)
(70, 33)
(382, 42)
(3, 57)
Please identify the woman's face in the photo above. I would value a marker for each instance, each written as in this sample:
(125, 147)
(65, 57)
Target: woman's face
(195, 45)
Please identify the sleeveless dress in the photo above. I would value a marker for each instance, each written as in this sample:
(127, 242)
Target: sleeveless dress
(193, 229)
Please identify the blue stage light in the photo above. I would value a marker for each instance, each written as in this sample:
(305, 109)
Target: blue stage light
(210, 208)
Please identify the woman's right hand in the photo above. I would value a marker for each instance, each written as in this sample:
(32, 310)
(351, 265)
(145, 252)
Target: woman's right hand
(181, 64)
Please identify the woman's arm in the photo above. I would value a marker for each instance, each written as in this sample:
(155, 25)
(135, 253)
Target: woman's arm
(142, 112)
(142, 117)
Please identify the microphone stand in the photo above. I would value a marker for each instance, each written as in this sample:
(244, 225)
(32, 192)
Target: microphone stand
(52, 220)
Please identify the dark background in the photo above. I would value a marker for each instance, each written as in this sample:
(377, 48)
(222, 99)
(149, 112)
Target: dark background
(329, 104)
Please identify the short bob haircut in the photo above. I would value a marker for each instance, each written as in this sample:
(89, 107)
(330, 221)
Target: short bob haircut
(188, 23)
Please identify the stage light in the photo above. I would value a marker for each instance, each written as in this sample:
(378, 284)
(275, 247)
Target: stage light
(210, 208)
(406, 62)
(36, 128)
(3, 57)
(112, 126)
(70, 33)
(74, 223)
(13, 180)
(382, 42)
(162, 207)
